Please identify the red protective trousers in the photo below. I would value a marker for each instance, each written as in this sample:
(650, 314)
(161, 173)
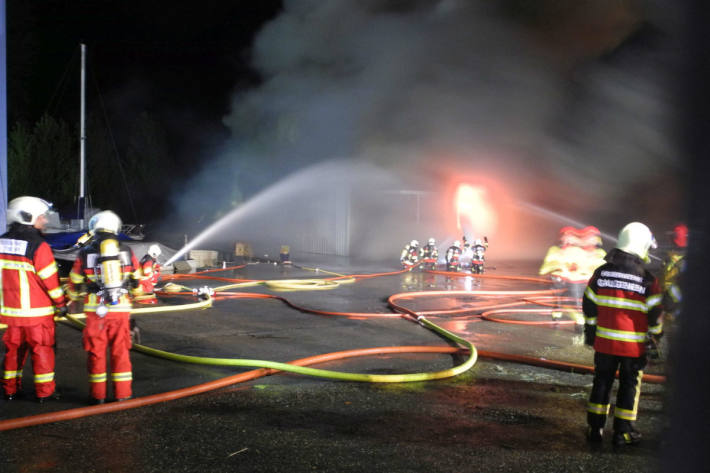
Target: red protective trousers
(109, 333)
(38, 341)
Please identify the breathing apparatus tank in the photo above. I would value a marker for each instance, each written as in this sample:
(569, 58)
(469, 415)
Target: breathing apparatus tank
(109, 275)
(108, 266)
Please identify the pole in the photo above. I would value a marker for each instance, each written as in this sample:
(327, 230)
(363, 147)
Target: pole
(82, 140)
(3, 118)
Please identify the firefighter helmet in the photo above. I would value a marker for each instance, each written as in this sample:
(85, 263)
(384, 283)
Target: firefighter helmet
(636, 238)
(680, 235)
(106, 221)
(457, 244)
(154, 251)
(26, 209)
(414, 243)
(432, 241)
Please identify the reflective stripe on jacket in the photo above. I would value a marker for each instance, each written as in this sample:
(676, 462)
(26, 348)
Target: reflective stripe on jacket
(30, 281)
(623, 301)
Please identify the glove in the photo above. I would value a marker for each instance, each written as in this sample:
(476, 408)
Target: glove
(60, 311)
(652, 349)
(135, 332)
(590, 333)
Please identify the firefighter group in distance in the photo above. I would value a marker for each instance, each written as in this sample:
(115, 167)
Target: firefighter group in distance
(105, 280)
(458, 257)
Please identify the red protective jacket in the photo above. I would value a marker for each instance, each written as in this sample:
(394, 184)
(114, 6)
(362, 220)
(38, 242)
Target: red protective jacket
(623, 303)
(150, 270)
(30, 282)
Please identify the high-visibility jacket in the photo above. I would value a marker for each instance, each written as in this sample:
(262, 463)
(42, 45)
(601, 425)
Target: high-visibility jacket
(572, 264)
(673, 270)
(30, 282)
(84, 278)
(623, 302)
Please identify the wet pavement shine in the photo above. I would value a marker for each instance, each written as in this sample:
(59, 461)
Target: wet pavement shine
(498, 416)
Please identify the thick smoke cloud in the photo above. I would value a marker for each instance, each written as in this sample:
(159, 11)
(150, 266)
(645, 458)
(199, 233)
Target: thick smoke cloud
(437, 92)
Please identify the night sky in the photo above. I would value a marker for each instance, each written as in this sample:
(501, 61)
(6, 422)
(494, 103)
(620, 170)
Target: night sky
(529, 95)
(180, 61)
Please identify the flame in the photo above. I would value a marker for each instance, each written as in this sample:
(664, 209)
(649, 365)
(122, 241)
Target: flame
(474, 212)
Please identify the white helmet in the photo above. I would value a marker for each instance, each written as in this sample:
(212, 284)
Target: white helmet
(478, 242)
(26, 209)
(457, 244)
(432, 242)
(414, 243)
(106, 221)
(636, 238)
(154, 251)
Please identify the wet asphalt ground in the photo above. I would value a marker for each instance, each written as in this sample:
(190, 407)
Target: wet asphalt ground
(498, 416)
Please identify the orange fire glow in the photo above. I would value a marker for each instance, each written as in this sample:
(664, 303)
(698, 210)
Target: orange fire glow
(474, 211)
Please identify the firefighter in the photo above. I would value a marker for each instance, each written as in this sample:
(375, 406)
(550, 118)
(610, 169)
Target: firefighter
(622, 305)
(673, 269)
(570, 265)
(31, 296)
(410, 254)
(150, 275)
(453, 257)
(102, 274)
(478, 256)
(430, 254)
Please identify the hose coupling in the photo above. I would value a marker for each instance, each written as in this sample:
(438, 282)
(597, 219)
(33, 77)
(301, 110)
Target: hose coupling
(203, 292)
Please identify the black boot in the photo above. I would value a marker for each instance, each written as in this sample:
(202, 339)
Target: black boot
(55, 396)
(595, 435)
(621, 439)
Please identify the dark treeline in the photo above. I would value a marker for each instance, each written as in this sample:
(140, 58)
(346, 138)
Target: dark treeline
(158, 80)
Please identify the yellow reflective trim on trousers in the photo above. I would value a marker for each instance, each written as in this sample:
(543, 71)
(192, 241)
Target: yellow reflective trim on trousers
(590, 320)
(624, 414)
(124, 376)
(97, 377)
(44, 378)
(601, 409)
(620, 335)
(76, 278)
(10, 374)
(627, 414)
(35, 312)
(48, 270)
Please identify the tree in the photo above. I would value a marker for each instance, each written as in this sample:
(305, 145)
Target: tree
(41, 162)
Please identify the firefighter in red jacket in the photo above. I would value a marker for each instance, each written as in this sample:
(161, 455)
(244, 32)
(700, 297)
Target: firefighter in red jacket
(622, 308)
(150, 274)
(31, 295)
(103, 273)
